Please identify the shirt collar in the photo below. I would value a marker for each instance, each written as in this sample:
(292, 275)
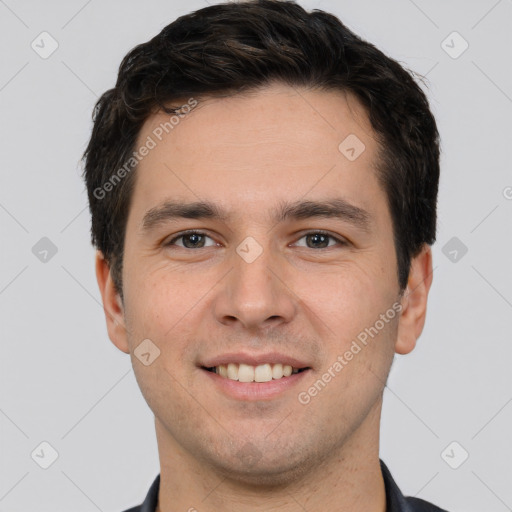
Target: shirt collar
(151, 500)
(395, 501)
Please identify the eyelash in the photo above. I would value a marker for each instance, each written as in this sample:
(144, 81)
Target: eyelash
(201, 233)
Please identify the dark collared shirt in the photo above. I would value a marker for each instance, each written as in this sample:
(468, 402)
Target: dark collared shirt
(395, 500)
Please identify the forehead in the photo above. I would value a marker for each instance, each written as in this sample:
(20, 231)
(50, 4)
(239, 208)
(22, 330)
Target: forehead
(269, 115)
(274, 144)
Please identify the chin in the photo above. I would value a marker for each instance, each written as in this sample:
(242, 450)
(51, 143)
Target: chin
(254, 469)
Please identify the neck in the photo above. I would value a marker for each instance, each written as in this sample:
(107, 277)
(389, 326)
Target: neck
(350, 479)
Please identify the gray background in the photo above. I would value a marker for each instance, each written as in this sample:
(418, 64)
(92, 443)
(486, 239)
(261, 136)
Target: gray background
(63, 382)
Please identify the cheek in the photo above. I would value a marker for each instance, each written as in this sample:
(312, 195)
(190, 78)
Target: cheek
(162, 295)
(349, 297)
(162, 306)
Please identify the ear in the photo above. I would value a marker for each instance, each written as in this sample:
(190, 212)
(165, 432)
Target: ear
(112, 305)
(414, 302)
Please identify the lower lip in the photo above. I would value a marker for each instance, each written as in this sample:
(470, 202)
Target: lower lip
(255, 390)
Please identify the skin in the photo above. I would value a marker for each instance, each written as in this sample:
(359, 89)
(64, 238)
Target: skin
(247, 154)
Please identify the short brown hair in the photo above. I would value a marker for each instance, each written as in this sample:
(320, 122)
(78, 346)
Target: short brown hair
(234, 47)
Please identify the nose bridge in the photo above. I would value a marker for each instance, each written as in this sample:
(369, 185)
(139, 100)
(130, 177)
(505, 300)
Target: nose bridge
(253, 278)
(252, 294)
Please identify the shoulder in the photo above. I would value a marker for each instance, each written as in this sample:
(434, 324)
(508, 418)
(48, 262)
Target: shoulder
(418, 505)
(150, 502)
(397, 502)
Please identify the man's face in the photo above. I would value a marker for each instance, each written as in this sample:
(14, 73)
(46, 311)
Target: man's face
(256, 285)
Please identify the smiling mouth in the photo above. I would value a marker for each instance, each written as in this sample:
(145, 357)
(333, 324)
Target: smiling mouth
(260, 373)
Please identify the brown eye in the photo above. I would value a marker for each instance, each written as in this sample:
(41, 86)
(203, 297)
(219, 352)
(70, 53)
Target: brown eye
(191, 240)
(320, 240)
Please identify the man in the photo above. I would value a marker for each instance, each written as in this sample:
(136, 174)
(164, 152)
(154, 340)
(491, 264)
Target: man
(263, 188)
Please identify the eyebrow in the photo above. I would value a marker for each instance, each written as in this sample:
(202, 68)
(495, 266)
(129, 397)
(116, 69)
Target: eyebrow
(333, 208)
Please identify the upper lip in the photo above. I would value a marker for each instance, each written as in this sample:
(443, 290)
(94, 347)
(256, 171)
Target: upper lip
(254, 359)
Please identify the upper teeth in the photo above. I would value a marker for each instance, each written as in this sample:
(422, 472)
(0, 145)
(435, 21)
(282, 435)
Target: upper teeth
(261, 373)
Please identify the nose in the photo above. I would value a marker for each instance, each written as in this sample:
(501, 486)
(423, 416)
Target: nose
(255, 294)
